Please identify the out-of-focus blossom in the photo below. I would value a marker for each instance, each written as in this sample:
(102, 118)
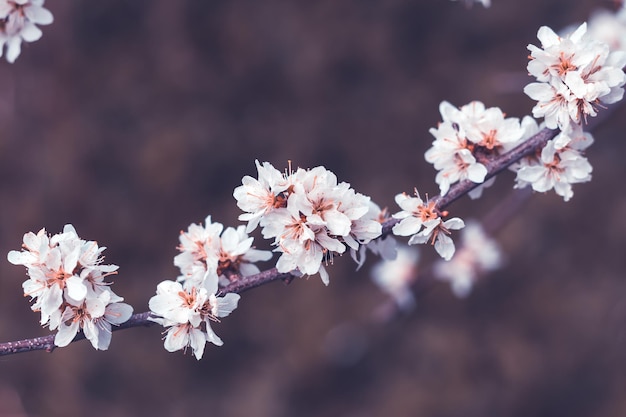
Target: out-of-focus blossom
(18, 22)
(470, 3)
(477, 254)
(395, 277)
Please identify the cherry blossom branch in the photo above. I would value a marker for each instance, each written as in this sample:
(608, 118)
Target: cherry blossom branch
(494, 167)
(241, 284)
(47, 342)
(425, 280)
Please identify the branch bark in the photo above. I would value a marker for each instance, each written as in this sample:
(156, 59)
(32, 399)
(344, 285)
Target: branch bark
(494, 167)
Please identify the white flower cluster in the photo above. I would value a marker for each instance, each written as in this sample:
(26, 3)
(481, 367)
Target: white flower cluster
(309, 215)
(478, 254)
(421, 220)
(18, 20)
(211, 250)
(464, 136)
(209, 255)
(557, 166)
(66, 282)
(188, 312)
(576, 74)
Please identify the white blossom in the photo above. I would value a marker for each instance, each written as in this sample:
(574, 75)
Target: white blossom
(67, 285)
(310, 216)
(463, 136)
(94, 316)
(421, 220)
(576, 74)
(258, 197)
(187, 313)
(211, 250)
(557, 168)
(18, 20)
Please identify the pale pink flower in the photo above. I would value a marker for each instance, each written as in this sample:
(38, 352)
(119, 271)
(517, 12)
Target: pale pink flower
(421, 221)
(18, 20)
(557, 168)
(309, 215)
(66, 283)
(187, 313)
(576, 74)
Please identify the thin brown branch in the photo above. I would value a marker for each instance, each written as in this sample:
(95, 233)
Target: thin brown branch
(245, 283)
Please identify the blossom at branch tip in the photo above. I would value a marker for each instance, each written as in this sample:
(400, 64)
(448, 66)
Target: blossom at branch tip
(477, 254)
(421, 220)
(187, 313)
(575, 75)
(310, 216)
(66, 283)
(555, 167)
(18, 20)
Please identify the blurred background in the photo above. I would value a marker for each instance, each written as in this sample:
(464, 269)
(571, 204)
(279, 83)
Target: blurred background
(132, 120)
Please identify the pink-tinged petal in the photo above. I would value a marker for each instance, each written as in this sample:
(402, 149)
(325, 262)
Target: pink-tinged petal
(96, 306)
(211, 282)
(454, 224)
(324, 275)
(66, 334)
(104, 336)
(477, 173)
(444, 246)
(338, 223)
(547, 37)
(51, 300)
(419, 239)
(286, 263)
(14, 47)
(118, 313)
(177, 338)
(39, 15)
(76, 288)
(22, 258)
(226, 304)
(30, 32)
(91, 332)
(197, 341)
(579, 33)
(407, 227)
(212, 337)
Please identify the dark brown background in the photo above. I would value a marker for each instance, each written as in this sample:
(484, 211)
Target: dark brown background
(133, 119)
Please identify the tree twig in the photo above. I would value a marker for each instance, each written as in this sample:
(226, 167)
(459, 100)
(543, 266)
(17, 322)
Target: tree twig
(494, 167)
